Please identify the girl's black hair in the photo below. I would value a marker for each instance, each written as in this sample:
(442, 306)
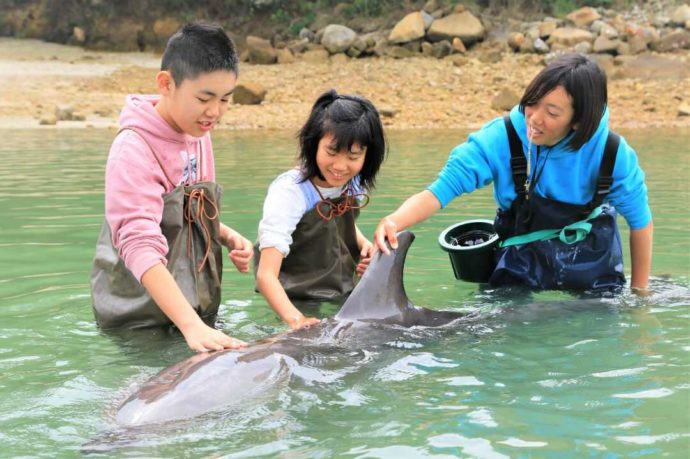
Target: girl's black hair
(199, 48)
(585, 83)
(350, 120)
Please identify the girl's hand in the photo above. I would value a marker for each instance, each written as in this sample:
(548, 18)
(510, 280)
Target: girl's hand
(365, 254)
(386, 229)
(202, 338)
(241, 250)
(301, 321)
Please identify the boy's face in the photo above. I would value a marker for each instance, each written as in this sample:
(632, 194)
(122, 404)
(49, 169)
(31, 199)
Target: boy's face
(195, 106)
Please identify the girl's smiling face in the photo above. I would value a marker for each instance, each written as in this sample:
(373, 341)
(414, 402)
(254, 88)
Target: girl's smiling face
(550, 119)
(337, 167)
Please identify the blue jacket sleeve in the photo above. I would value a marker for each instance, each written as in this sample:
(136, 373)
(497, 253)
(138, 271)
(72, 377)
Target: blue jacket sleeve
(470, 165)
(629, 191)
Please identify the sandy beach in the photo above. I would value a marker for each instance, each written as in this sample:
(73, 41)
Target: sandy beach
(38, 77)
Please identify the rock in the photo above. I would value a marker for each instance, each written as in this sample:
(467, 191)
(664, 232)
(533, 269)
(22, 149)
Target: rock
(339, 59)
(78, 35)
(399, 52)
(677, 39)
(298, 46)
(387, 112)
(306, 34)
(605, 45)
(584, 47)
(64, 112)
(430, 6)
(637, 44)
(48, 120)
(428, 20)
(569, 36)
(315, 56)
(583, 17)
(261, 51)
(458, 46)
(441, 49)
(337, 38)
(410, 28)
(427, 49)
(515, 40)
(684, 110)
(463, 25)
(248, 93)
(285, 56)
(546, 28)
(540, 46)
(505, 100)
(681, 15)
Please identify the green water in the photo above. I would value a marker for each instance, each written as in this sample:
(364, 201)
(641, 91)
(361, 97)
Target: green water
(558, 377)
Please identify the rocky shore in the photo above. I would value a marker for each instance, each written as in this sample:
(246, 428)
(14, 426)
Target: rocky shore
(417, 76)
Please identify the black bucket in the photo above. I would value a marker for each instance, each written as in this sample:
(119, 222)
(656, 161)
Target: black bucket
(471, 246)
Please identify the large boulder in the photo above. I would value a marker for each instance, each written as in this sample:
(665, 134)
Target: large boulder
(261, 51)
(676, 39)
(248, 93)
(410, 28)
(681, 15)
(583, 17)
(463, 25)
(570, 36)
(337, 38)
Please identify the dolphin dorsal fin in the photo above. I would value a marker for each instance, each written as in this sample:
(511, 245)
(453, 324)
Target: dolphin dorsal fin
(380, 294)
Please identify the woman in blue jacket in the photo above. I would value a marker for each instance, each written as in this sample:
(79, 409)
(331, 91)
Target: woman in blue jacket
(556, 175)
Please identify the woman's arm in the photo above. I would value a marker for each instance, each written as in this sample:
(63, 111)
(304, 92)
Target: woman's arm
(167, 294)
(415, 209)
(270, 287)
(641, 256)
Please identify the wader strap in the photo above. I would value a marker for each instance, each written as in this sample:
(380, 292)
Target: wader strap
(569, 234)
(605, 179)
(518, 162)
(160, 164)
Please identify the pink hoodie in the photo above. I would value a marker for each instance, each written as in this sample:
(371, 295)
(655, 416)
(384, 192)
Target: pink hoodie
(135, 183)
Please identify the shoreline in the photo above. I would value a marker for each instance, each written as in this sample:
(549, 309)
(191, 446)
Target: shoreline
(39, 79)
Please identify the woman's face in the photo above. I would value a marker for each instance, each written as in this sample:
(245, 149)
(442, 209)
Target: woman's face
(549, 120)
(337, 167)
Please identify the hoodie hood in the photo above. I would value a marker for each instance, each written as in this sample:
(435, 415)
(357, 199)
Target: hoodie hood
(140, 113)
(520, 123)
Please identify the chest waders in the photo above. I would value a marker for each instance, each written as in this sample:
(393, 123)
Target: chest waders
(191, 226)
(323, 255)
(549, 244)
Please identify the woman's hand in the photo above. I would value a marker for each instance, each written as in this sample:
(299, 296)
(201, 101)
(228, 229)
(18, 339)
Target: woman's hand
(386, 229)
(365, 254)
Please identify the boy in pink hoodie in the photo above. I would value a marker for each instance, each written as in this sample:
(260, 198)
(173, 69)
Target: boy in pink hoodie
(159, 257)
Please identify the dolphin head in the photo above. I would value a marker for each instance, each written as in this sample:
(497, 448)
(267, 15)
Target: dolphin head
(380, 294)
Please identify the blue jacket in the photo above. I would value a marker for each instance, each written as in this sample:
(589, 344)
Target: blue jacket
(568, 176)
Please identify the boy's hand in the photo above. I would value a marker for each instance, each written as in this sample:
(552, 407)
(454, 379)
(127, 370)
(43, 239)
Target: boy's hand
(202, 338)
(241, 251)
(386, 229)
(365, 254)
(301, 321)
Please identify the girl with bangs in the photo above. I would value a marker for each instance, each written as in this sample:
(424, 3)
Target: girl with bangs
(309, 247)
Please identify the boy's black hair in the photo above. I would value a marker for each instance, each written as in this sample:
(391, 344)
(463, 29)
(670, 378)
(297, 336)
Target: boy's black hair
(351, 120)
(199, 48)
(585, 83)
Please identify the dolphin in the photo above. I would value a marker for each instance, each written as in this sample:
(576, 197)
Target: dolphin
(377, 309)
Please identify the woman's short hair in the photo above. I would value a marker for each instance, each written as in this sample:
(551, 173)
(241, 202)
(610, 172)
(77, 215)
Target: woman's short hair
(350, 120)
(585, 83)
